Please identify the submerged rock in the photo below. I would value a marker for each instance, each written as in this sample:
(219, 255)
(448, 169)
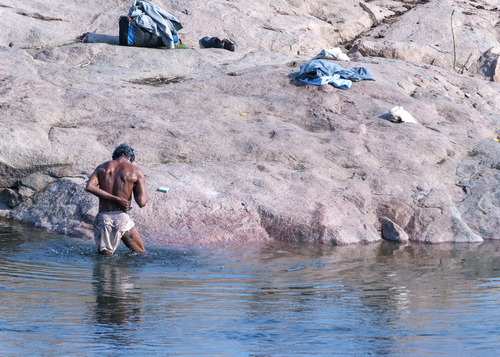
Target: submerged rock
(392, 232)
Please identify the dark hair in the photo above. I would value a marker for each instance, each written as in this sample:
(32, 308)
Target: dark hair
(123, 150)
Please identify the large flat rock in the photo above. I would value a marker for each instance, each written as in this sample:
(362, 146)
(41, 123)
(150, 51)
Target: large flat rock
(248, 152)
(293, 26)
(441, 33)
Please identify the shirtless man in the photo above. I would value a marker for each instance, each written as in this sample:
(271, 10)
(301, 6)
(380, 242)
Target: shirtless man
(114, 182)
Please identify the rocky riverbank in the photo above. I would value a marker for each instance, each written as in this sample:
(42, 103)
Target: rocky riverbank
(250, 153)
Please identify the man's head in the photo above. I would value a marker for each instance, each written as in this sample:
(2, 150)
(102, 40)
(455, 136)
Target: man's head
(124, 150)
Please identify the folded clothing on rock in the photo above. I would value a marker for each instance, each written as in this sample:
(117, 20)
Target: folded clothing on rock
(399, 115)
(322, 72)
(333, 54)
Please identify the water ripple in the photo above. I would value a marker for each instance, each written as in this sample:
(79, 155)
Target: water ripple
(60, 297)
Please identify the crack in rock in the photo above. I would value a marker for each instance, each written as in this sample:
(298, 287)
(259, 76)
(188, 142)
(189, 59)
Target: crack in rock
(38, 16)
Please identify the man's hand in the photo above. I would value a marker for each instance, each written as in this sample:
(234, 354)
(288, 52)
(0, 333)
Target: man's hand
(123, 204)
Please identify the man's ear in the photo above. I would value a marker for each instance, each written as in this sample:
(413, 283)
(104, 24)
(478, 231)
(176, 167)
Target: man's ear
(132, 159)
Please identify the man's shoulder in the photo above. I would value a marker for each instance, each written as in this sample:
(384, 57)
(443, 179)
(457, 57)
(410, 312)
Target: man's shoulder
(137, 170)
(104, 165)
(127, 166)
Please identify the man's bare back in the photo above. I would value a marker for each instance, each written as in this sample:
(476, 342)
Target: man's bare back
(114, 182)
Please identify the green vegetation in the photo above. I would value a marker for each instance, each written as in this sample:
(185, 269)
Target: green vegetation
(180, 46)
(455, 49)
(454, 45)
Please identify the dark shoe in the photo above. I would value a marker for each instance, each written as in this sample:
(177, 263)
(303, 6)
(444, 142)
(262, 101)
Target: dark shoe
(228, 45)
(213, 42)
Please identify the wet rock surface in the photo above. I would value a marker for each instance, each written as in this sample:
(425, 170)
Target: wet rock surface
(248, 152)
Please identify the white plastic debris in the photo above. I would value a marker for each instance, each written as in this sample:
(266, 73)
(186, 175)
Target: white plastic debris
(399, 115)
(333, 54)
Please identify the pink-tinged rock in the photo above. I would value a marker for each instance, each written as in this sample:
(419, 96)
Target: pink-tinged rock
(249, 153)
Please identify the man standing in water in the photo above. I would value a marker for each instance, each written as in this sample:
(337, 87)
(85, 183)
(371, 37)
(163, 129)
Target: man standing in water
(114, 182)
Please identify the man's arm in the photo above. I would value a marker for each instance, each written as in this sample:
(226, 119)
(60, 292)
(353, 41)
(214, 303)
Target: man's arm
(139, 191)
(93, 187)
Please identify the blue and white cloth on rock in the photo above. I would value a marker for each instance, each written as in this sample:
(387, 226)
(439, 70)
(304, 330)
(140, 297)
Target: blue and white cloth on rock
(156, 20)
(321, 72)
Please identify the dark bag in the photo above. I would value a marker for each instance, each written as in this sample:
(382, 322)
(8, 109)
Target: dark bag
(133, 35)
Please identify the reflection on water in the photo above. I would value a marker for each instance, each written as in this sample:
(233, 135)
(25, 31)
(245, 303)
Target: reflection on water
(117, 303)
(59, 296)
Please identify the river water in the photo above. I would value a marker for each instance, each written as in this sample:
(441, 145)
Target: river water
(59, 297)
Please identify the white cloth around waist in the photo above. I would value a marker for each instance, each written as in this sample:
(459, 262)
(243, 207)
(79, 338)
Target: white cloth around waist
(109, 227)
